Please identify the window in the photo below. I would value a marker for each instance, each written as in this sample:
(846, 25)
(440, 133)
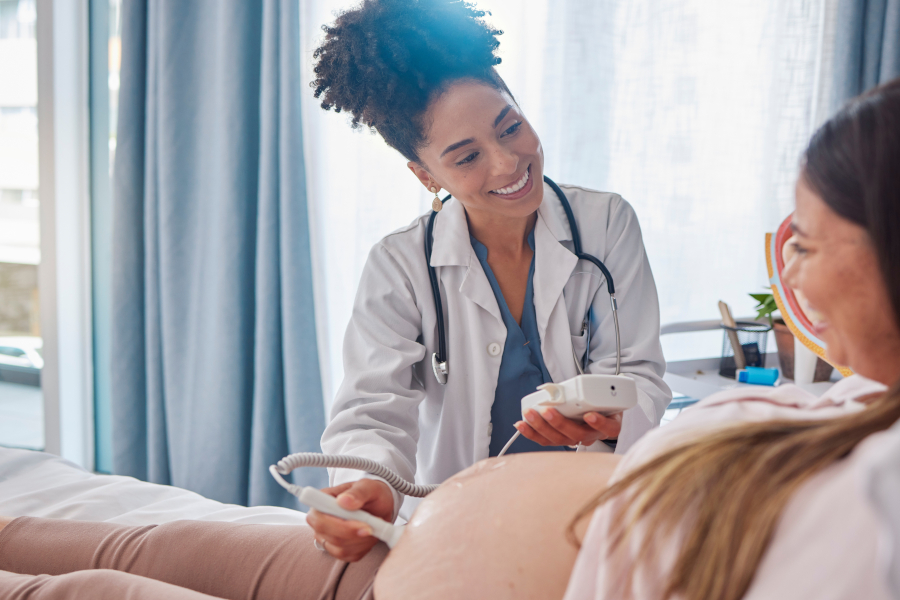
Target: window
(21, 400)
(45, 276)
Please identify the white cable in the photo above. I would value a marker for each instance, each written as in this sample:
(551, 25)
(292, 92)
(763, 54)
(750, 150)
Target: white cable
(508, 444)
(314, 459)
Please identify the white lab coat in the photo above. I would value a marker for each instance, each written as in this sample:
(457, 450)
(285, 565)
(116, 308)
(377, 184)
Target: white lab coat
(391, 409)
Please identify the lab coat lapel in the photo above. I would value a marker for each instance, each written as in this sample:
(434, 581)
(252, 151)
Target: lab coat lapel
(452, 247)
(553, 266)
(451, 236)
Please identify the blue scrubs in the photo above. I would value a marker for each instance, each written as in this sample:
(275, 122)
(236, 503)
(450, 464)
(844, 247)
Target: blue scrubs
(522, 367)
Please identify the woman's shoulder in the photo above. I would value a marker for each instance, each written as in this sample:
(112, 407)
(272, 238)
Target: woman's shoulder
(844, 391)
(596, 206)
(408, 235)
(610, 216)
(751, 404)
(586, 198)
(396, 264)
(403, 246)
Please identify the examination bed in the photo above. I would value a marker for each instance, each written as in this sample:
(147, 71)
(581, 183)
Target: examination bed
(38, 484)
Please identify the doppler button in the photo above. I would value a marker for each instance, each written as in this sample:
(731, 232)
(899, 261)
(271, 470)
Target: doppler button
(494, 349)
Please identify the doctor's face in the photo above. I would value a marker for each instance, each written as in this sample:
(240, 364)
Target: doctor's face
(481, 149)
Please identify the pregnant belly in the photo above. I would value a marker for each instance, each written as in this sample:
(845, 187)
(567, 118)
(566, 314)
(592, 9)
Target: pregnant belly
(497, 530)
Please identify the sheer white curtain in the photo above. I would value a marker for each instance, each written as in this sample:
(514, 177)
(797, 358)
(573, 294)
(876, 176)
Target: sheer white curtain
(695, 111)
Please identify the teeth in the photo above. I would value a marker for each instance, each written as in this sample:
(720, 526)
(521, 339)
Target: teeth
(514, 187)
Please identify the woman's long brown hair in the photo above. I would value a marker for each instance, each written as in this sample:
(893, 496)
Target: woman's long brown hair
(735, 483)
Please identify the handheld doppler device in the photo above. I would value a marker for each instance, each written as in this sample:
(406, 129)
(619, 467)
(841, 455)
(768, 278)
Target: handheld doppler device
(319, 500)
(573, 398)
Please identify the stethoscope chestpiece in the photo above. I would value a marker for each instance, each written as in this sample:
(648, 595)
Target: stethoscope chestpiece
(441, 369)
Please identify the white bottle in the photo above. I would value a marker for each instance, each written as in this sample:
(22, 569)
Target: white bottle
(805, 361)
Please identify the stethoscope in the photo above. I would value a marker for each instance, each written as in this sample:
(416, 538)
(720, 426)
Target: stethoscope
(439, 360)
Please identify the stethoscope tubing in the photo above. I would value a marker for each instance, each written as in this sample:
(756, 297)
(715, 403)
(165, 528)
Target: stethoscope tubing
(439, 361)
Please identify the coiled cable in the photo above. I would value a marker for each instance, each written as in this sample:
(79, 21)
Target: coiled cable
(335, 461)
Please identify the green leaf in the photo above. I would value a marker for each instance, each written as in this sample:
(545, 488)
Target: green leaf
(765, 307)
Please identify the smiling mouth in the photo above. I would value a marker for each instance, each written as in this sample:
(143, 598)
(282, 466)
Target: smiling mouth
(517, 186)
(819, 327)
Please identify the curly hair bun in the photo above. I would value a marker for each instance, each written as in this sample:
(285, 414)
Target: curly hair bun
(384, 60)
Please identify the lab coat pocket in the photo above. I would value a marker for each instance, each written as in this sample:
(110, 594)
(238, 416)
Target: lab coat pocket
(579, 343)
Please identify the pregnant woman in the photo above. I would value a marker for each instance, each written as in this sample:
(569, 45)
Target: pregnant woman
(750, 495)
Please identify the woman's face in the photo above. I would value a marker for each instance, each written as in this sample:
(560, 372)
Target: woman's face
(480, 148)
(836, 269)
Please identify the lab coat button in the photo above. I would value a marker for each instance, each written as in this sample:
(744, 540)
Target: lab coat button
(494, 349)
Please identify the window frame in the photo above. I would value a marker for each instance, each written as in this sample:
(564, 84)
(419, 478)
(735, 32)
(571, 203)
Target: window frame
(65, 273)
(101, 214)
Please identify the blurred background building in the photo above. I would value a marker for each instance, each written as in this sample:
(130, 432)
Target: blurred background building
(20, 240)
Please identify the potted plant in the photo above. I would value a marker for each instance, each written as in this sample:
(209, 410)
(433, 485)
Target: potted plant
(784, 339)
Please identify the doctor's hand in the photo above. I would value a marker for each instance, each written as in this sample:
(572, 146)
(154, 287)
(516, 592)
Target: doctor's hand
(351, 540)
(550, 428)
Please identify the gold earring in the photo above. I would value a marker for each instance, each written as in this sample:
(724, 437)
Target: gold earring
(436, 204)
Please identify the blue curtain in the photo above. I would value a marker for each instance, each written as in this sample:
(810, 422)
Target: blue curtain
(866, 47)
(215, 363)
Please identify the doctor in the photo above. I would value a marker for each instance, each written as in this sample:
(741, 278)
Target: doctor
(520, 309)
